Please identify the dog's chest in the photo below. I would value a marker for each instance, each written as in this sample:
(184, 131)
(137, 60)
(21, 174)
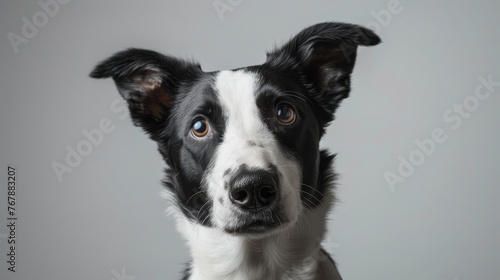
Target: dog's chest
(235, 259)
(245, 271)
(313, 270)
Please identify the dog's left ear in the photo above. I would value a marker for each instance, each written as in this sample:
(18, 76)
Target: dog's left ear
(149, 82)
(324, 55)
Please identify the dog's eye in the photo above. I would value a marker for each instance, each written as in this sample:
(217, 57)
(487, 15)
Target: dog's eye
(285, 114)
(200, 128)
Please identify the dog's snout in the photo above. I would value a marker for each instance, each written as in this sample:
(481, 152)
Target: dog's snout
(253, 190)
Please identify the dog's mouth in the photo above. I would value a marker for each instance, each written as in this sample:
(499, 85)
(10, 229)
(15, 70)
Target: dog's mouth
(256, 225)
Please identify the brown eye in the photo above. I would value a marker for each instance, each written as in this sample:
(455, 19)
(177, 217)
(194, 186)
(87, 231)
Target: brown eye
(285, 114)
(200, 128)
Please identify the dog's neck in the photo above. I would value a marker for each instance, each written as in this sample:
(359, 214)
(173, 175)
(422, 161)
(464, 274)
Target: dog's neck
(294, 253)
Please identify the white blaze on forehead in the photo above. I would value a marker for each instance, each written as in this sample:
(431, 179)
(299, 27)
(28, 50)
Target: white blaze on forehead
(236, 92)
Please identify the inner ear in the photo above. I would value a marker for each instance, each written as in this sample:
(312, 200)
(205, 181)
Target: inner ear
(155, 99)
(147, 80)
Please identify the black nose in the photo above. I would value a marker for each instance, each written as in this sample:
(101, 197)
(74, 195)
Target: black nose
(253, 190)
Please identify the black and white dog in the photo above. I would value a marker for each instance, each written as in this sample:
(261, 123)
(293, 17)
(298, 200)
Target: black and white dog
(250, 186)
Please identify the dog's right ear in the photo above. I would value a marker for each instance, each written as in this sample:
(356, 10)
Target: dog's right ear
(149, 82)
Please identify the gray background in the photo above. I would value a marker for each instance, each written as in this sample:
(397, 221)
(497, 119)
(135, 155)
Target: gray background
(106, 216)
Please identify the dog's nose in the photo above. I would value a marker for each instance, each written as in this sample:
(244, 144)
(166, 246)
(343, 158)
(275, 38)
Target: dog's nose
(253, 190)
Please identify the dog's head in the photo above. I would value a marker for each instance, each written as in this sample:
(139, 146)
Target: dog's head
(242, 146)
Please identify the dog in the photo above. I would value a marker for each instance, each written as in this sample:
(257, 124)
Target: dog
(249, 185)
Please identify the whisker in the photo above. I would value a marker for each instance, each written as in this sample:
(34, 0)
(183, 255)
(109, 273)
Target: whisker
(319, 201)
(199, 211)
(305, 185)
(194, 195)
(207, 217)
(309, 203)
